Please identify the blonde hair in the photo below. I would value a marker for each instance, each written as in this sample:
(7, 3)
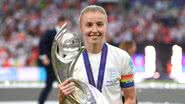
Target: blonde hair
(93, 8)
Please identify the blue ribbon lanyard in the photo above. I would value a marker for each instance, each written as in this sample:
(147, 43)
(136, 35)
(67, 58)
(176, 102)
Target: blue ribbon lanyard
(101, 68)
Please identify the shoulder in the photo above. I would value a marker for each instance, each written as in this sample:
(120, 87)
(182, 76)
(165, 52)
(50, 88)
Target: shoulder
(117, 51)
(51, 31)
(49, 34)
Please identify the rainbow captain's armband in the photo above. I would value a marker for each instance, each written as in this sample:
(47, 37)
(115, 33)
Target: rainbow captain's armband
(127, 81)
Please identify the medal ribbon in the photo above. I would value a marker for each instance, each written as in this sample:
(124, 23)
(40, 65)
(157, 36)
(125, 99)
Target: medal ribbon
(101, 68)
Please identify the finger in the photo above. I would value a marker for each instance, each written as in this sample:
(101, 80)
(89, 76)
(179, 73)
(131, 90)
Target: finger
(67, 81)
(67, 86)
(69, 90)
(65, 89)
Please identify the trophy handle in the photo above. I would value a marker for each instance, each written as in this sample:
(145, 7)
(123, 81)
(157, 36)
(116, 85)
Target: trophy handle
(55, 60)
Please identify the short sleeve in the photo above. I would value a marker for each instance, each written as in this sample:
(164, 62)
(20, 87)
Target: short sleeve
(127, 74)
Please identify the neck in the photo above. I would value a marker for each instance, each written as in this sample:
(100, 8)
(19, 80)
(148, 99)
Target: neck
(94, 48)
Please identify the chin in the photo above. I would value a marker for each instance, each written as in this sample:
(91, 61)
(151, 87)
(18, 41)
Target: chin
(95, 42)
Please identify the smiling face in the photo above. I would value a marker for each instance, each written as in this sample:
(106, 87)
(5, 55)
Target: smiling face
(93, 25)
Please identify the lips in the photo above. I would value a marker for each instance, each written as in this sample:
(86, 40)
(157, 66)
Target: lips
(93, 35)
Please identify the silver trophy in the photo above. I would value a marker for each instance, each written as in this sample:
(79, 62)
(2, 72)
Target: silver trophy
(66, 49)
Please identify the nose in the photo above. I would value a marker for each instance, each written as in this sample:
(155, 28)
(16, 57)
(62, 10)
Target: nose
(94, 29)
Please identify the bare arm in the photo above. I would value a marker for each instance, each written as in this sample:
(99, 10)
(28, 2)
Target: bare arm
(130, 95)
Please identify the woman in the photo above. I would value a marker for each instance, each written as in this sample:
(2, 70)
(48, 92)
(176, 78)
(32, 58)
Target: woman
(102, 65)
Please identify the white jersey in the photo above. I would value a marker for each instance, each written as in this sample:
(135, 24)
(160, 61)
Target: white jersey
(118, 65)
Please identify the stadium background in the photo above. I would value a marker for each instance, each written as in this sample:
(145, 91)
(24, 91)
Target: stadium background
(157, 23)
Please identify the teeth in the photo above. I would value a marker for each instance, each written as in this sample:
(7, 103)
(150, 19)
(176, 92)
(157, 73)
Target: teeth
(93, 35)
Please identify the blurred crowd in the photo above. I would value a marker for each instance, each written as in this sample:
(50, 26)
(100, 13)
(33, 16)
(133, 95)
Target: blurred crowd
(23, 22)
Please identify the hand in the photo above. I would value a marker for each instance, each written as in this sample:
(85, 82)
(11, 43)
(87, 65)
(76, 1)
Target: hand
(46, 61)
(66, 88)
